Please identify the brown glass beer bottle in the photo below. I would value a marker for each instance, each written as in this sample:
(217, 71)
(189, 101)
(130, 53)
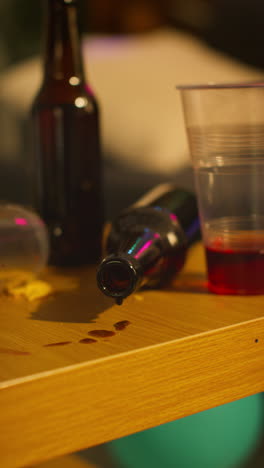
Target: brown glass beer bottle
(66, 144)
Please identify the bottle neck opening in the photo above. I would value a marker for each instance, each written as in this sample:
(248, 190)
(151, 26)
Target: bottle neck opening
(63, 60)
(118, 277)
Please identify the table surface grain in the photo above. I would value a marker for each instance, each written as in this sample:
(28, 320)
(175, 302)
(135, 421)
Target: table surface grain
(77, 370)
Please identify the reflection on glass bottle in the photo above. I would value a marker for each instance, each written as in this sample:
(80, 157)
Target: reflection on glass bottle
(66, 145)
(147, 243)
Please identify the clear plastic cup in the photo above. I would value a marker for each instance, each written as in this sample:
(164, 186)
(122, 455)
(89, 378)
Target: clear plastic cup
(225, 126)
(24, 245)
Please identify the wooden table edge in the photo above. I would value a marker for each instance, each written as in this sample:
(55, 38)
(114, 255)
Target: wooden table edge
(91, 403)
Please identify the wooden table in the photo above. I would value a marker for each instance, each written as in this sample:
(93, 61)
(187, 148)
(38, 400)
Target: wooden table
(67, 386)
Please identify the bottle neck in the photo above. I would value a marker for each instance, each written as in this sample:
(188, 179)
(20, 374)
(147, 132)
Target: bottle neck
(122, 272)
(148, 241)
(63, 60)
(119, 276)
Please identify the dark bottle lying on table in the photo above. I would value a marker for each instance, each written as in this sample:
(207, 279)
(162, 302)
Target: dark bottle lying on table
(66, 145)
(147, 243)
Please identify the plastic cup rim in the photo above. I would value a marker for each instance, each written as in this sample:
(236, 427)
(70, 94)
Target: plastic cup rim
(213, 85)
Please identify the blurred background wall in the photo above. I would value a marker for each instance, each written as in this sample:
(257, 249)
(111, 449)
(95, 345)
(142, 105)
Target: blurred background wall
(233, 26)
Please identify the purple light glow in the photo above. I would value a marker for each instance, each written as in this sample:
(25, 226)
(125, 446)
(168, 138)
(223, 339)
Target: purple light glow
(21, 222)
(146, 245)
(173, 217)
(88, 89)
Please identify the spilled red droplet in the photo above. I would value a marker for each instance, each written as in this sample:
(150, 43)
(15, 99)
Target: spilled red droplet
(88, 340)
(121, 325)
(61, 343)
(15, 352)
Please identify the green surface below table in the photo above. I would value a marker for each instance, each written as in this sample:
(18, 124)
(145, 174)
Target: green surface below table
(222, 437)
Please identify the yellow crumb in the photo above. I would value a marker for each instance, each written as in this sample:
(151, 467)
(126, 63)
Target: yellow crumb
(19, 283)
(14, 278)
(31, 291)
(138, 297)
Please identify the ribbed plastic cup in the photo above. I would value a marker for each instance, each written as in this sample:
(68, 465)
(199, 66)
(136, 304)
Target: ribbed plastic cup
(225, 127)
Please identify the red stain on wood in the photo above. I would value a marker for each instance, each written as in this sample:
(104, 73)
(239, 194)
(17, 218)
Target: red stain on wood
(15, 352)
(121, 325)
(61, 343)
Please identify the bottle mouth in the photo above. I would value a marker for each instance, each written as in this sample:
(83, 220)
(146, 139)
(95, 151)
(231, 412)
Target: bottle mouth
(117, 277)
